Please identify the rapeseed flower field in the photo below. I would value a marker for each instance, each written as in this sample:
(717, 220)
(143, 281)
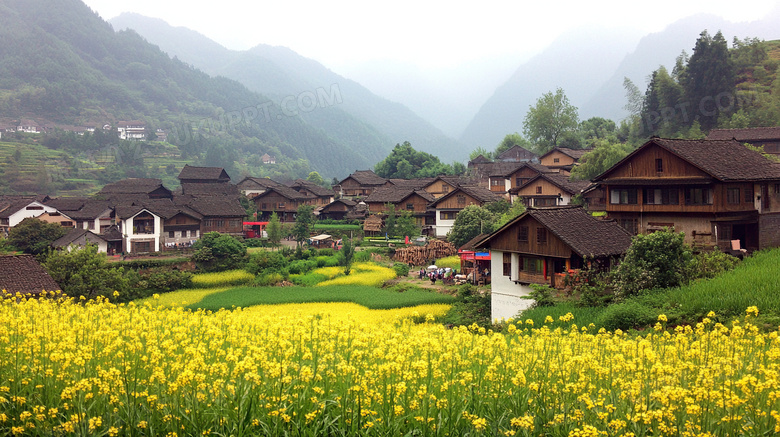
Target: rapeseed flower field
(96, 368)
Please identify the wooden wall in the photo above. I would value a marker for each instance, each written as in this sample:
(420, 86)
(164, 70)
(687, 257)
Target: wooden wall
(507, 241)
(452, 201)
(563, 159)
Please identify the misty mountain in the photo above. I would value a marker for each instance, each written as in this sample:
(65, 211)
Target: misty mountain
(357, 117)
(62, 64)
(578, 61)
(662, 48)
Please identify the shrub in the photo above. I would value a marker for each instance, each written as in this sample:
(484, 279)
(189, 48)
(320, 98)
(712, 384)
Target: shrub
(308, 280)
(301, 266)
(401, 269)
(707, 265)
(325, 252)
(657, 260)
(626, 315)
(266, 262)
(268, 280)
(362, 257)
(471, 307)
(542, 295)
(161, 280)
(216, 252)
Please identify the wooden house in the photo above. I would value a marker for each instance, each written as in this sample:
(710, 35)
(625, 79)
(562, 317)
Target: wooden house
(137, 188)
(447, 207)
(562, 159)
(544, 246)
(766, 137)
(715, 191)
(443, 185)
(80, 238)
(505, 178)
(338, 209)
(23, 274)
(548, 189)
(360, 184)
(319, 196)
(282, 200)
(411, 200)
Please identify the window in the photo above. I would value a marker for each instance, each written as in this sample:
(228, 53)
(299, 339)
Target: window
(538, 189)
(34, 208)
(631, 225)
(171, 234)
(496, 182)
(445, 188)
(264, 206)
(522, 234)
(724, 232)
(91, 225)
(546, 201)
(281, 205)
(623, 196)
(507, 264)
(183, 233)
(698, 196)
(659, 165)
(732, 196)
(447, 215)
(541, 236)
(461, 200)
(749, 195)
(520, 181)
(556, 160)
(410, 206)
(531, 265)
(661, 196)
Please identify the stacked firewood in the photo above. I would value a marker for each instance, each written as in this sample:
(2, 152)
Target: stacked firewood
(423, 255)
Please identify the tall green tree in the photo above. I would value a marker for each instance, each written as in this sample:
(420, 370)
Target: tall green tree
(512, 140)
(665, 113)
(551, 121)
(85, 272)
(274, 230)
(315, 178)
(470, 222)
(404, 162)
(603, 156)
(304, 220)
(216, 252)
(708, 80)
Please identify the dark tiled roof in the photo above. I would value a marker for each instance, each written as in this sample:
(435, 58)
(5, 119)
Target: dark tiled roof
(725, 160)
(482, 194)
(283, 191)
(164, 208)
(215, 174)
(585, 234)
(64, 204)
(90, 209)
(746, 135)
(394, 194)
(517, 153)
(75, 234)
(206, 189)
(574, 153)
(472, 244)
(133, 186)
(112, 233)
(313, 188)
(366, 177)
(411, 183)
(479, 160)
(249, 181)
(217, 207)
(507, 170)
(9, 204)
(23, 274)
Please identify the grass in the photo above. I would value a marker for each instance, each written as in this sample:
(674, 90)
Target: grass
(369, 297)
(181, 297)
(583, 316)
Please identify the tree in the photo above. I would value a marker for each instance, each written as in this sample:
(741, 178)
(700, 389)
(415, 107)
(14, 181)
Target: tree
(315, 178)
(480, 151)
(597, 128)
(404, 162)
(470, 222)
(304, 219)
(551, 120)
(657, 260)
(515, 210)
(708, 80)
(216, 252)
(34, 236)
(274, 230)
(390, 220)
(664, 111)
(604, 155)
(85, 272)
(405, 225)
(347, 254)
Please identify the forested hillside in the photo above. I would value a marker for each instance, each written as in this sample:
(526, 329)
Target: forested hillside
(60, 64)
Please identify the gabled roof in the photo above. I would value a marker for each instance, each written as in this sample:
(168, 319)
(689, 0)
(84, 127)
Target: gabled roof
(517, 153)
(365, 177)
(583, 233)
(455, 181)
(561, 181)
(135, 186)
(215, 174)
(411, 183)
(479, 160)
(508, 170)
(283, 191)
(725, 160)
(262, 182)
(472, 244)
(10, 204)
(394, 194)
(482, 194)
(746, 135)
(300, 184)
(574, 153)
(85, 209)
(347, 202)
(74, 234)
(23, 274)
(163, 208)
(217, 207)
(201, 189)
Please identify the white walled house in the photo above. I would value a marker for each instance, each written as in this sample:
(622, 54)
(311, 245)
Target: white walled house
(447, 207)
(141, 230)
(14, 209)
(545, 246)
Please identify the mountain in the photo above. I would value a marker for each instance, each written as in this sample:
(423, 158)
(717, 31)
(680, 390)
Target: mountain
(364, 120)
(662, 48)
(60, 63)
(578, 61)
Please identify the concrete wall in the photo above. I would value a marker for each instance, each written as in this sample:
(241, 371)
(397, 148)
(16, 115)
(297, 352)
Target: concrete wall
(769, 230)
(506, 300)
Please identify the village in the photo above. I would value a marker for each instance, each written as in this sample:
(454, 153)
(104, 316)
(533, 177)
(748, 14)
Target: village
(718, 192)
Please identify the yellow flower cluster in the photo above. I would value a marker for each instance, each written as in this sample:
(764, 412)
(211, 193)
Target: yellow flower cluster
(221, 279)
(97, 368)
(367, 273)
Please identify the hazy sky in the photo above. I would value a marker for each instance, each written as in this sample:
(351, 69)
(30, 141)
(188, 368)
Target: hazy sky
(428, 34)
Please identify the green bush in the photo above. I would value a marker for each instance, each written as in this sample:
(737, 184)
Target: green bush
(626, 315)
(268, 280)
(401, 269)
(542, 295)
(162, 280)
(707, 265)
(266, 262)
(216, 252)
(301, 266)
(362, 256)
(657, 260)
(308, 280)
(471, 306)
(325, 252)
